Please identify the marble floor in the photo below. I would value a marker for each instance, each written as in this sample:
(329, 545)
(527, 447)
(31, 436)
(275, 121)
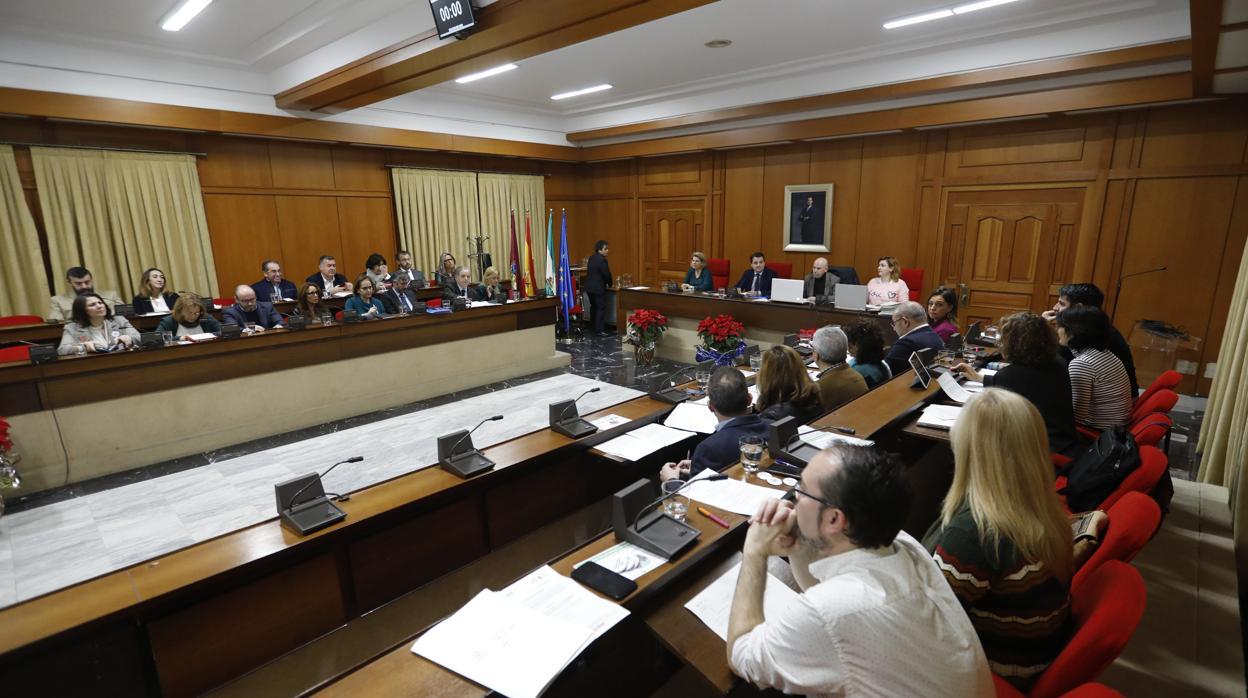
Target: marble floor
(60, 537)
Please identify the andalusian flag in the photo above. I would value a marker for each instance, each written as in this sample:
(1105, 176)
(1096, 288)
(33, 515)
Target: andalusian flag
(530, 279)
(550, 264)
(517, 275)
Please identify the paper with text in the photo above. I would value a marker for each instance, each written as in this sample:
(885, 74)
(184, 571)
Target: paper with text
(556, 596)
(692, 417)
(609, 421)
(643, 441)
(731, 494)
(823, 439)
(713, 604)
(949, 384)
(627, 560)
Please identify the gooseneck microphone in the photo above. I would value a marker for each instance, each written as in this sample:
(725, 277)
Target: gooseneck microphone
(848, 431)
(572, 404)
(342, 498)
(710, 478)
(495, 418)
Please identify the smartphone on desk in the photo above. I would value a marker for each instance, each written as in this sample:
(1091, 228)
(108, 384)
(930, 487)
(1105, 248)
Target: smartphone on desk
(603, 580)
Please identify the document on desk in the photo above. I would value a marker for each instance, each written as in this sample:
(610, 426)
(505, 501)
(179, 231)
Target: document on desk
(692, 417)
(713, 604)
(627, 560)
(949, 384)
(823, 439)
(609, 421)
(503, 645)
(731, 494)
(643, 441)
(556, 596)
(939, 416)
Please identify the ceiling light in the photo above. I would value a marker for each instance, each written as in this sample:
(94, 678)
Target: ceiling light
(916, 19)
(486, 73)
(981, 5)
(585, 91)
(718, 43)
(183, 13)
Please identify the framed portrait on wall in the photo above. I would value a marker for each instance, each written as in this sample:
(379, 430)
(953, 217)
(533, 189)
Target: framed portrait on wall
(808, 218)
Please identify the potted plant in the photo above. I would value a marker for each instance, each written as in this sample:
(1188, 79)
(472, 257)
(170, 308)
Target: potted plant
(10, 479)
(723, 340)
(644, 329)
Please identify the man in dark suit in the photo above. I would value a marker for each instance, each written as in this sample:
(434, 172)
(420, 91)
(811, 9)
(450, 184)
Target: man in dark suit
(399, 299)
(820, 281)
(756, 280)
(459, 288)
(597, 281)
(328, 279)
(729, 400)
(404, 259)
(273, 283)
(247, 309)
(1088, 294)
(811, 221)
(913, 334)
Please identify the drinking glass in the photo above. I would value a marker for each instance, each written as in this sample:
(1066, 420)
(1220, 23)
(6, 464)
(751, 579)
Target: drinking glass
(275, 298)
(751, 454)
(251, 327)
(756, 362)
(946, 358)
(676, 505)
(327, 318)
(167, 338)
(703, 377)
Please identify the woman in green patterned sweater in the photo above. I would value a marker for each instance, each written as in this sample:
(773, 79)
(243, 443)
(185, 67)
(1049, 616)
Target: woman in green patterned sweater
(1003, 541)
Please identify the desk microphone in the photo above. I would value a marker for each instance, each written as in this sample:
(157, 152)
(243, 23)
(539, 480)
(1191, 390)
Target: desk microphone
(573, 403)
(848, 431)
(495, 418)
(711, 478)
(668, 392)
(342, 498)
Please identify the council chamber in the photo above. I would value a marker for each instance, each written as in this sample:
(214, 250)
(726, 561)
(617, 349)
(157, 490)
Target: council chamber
(636, 348)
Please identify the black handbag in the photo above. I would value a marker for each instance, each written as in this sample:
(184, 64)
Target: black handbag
(1094, 474)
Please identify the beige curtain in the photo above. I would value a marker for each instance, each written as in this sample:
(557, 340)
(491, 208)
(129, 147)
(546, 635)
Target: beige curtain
(23, 283)
(1224, 433)
(437, 212)
(500, 194)
(119, 213)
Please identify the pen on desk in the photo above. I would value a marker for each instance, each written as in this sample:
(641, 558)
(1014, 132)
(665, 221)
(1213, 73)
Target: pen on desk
(712, 517)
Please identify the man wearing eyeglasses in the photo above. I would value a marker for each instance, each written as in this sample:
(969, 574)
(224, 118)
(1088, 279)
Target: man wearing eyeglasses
(875, 614)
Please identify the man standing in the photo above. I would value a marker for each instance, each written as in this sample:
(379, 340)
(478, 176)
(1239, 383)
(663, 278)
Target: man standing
(728, 397)
(247, 309)
(273, 284)
(399, 299)
(876, 616)
(404, 259)
(756, 280)
(597, 281)
(819, 282)
(80, 282)
(913, 334)
(328, 279)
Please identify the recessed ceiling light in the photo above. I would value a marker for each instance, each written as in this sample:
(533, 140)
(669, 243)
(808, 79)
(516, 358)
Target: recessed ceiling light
(916, 19)
(183, 13)
(981, 5)
(486, 73)
(583, 91)
(718, 43)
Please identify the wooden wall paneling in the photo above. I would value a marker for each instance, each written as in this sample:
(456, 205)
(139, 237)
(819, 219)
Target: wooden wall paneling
(1205, 134)
(360, 169)
(13, 128)
(613, 220)
(838, 162)
(611, 179)
(1182, 224)
(715, 213)
(677, 175)
(1228, 273)
(234, 162)
(541, 495)
(366, 226)
(783, 165)
(309, 228)
(109, 661)
(886, 218)
(1128, 138)
(205, 644)
(244, 232)
(119, 136)
(301, 165)
(1029, 151)
(743, 208)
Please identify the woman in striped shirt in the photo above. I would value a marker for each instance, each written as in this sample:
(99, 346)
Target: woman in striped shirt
(1002, 540)
(1099, 385)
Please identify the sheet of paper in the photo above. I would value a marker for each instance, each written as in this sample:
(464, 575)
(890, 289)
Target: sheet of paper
(949, 384)
(627, 560)
(692, 417)
(972, 386)
(201, 337)
(503, 645)
(643, 441)
(704, 401)
(713, 604)
(660, 435)
(823, 439)
(609, 421)
(987, 372)
(480, 304)
(731, 494)
(939, 416)
(556, 596)
(638, 288)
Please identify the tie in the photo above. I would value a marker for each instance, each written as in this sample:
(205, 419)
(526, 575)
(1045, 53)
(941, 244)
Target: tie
(755, 286)
(407, 306)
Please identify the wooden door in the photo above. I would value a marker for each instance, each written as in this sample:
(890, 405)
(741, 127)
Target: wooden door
(1004, 250)
(671, 232)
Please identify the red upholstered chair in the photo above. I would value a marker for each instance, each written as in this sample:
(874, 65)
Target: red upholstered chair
(1144, 478)
(721, 271)
(784, 270)
(1152, 429)
(433, 303)
(20, 352)
(1106, 609)
(1166, 381)
(13, 320)
(1160, 402)
(1087, 690)
(223, 302)
(914, 281)
(1132, 522)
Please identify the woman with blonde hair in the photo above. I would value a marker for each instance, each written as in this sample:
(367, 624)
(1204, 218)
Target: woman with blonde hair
(1002, 539)
(785, 389)
(887, 287)
(698, 277)
(188, 317)
(490, 289)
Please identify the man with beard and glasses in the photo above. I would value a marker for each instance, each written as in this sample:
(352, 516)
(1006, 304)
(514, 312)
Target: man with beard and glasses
(875, 615)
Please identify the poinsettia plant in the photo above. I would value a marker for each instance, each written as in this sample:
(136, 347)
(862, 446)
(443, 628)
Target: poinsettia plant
(646, 326)
(721, 333)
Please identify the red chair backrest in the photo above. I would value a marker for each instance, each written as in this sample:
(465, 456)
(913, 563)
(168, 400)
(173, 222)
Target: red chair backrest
(1166, 381)
(433, 303)
(223, 302)
(1144, 478)
(1132, 522)
(1106, 609)
(1151, 429)
(1092, 690)
(20, 352)
(784, 270)
(720, 270)
(914, 281)
(1161, 401)
(13, 320)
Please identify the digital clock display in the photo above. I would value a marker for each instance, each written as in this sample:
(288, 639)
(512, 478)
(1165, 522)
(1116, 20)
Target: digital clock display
(452, 16)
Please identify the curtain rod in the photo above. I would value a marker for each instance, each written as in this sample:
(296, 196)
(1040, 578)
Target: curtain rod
(461, 169)
(102, 147)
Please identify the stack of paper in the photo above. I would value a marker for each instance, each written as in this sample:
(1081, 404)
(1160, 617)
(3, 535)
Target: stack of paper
(730, 495)
(713, 605)
(643, 441)
(517, 641)
(939, 416)
(823, 439)
(692, 417)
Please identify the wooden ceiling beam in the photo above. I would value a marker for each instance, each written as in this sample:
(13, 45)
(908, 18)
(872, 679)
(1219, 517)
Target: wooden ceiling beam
(1053, 67)
(511, 31)
(1206, 19)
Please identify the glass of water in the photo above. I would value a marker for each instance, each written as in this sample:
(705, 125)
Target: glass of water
(275, 298)
(676, 505)
(166, 338)
(327, 318)
(751, 454)
(703, 377)
(756, 362)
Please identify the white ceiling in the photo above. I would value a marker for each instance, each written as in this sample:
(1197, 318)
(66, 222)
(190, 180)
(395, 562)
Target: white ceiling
(238, 53)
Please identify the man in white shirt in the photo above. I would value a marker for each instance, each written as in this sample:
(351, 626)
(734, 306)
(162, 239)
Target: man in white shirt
(876, 616)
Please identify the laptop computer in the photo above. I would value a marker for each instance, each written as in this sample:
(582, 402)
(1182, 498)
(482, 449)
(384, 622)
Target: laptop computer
(788, 290)
(849, 297)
